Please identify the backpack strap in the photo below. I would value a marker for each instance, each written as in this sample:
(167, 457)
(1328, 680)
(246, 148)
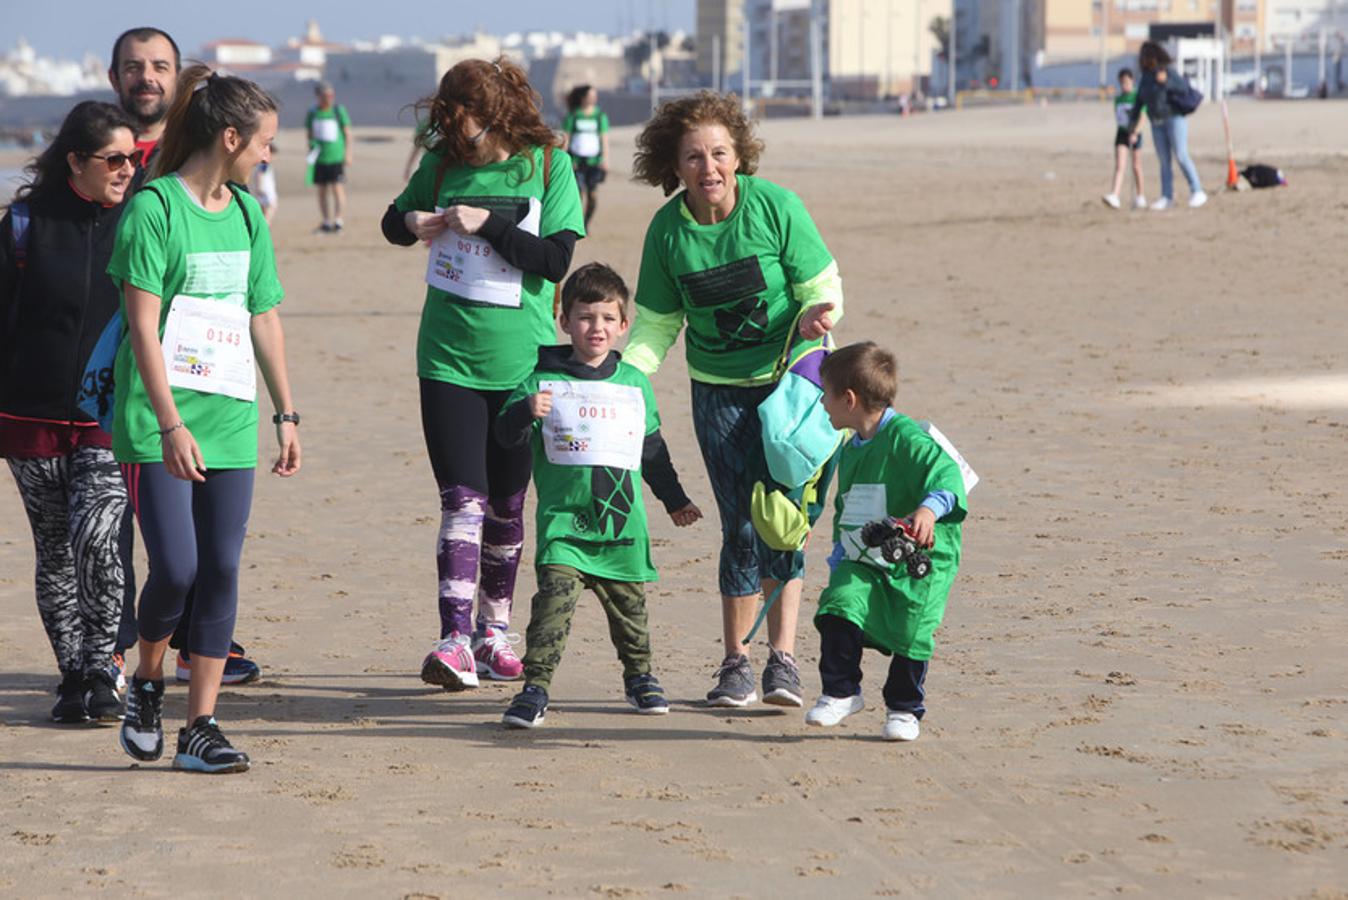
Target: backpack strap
(20, 220)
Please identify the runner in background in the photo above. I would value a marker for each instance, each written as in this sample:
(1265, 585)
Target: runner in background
(263, 186)
(499, 203)
(586, 128)
(144, 73)
(329, 129)
(195, 262)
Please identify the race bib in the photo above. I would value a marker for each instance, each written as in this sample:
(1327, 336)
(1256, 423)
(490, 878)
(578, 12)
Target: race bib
(207, 347)
(326, 131)
(468, 266)
(585, 143)
(863, 503)
(594, 424)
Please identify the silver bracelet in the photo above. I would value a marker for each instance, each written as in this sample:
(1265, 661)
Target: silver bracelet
(165, 432)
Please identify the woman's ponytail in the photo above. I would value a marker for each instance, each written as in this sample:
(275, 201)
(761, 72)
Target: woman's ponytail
(206, 104)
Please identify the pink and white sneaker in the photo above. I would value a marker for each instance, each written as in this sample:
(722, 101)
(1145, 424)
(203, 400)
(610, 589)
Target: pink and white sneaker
(495, 656)
(450, 664)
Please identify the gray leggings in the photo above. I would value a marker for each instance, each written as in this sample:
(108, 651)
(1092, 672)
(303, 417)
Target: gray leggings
(75, 505)
(193, 534)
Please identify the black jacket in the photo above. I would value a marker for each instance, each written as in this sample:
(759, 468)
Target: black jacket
(53, 311)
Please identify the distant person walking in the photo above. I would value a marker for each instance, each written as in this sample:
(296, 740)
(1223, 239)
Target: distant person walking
(329, 129)
(1127, 145)
(60, 229)
(1161, 82)
(497, 199)
(586, 128)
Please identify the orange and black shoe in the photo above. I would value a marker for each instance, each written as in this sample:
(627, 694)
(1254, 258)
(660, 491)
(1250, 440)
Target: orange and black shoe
(239, 669)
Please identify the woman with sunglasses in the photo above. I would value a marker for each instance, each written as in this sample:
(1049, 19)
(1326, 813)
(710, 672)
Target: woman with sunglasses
(494, 177)
(55, 242)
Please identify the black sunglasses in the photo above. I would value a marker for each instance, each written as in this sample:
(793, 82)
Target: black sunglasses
(116, 160)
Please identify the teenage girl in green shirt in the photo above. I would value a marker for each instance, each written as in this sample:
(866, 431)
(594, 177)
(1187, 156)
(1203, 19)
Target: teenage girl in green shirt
(194, 253)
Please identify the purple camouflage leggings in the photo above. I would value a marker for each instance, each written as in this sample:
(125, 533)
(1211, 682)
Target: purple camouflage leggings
(482, 487)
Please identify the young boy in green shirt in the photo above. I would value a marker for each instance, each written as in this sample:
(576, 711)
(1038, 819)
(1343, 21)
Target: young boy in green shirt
(891, 468)
(1127, 143)
(594, 429)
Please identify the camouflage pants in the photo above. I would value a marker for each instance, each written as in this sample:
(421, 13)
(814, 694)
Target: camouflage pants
(559, 589)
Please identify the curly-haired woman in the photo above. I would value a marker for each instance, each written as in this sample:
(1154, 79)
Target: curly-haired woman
(494, 177)
(739, 261)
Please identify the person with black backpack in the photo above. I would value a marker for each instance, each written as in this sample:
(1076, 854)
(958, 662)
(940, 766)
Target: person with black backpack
(197, 270)
(55, 240)
(1168, 98)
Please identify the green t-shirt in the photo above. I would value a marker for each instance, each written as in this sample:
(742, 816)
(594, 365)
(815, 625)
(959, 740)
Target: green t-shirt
(592, 518)
(890, 475)
(174, 247)
(731, 279)
(478, 345)
(1123, 108)
(585, 129)
(330, 139)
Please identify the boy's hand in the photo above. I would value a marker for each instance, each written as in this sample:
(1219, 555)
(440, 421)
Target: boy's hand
(686, 516)
(924, 526)
(540, 404)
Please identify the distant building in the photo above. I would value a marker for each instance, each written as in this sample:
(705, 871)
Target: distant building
(23, 73)
(869, 48)
(719, 39)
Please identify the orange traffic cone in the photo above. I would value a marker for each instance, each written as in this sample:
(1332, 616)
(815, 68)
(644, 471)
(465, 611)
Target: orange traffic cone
(1232, 174)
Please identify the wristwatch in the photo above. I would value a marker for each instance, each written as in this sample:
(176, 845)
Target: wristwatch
(278, 418)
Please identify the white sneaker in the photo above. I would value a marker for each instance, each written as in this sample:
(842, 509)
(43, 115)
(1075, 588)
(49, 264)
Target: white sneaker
(829, 711)
(1139, 202)
(1197, 200)
(900, 726)
(1111, 200)
(1160, 204)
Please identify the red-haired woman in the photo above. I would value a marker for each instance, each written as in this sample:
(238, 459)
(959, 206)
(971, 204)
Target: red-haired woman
(499, 202)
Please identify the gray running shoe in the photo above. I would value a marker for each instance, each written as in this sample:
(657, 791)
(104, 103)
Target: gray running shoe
(781, 680)
(734, 683)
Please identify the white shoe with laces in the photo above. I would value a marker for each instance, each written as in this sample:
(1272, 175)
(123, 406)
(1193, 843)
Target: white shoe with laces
(829, 711)
(1139, 202)
(1162, 203)
(1197, 200)
(900, 726)
(1111, 200)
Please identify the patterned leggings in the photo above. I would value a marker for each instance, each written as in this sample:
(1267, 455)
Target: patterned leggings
(76, 505)
(554, 606)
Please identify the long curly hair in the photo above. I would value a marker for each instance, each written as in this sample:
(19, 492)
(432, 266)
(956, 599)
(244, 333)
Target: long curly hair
(498, 96)
(657, 156)
(87, 129)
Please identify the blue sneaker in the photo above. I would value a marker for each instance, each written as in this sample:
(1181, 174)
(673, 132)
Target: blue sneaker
(528, 709)
(238, 668)
(646, 695)
(204, 748)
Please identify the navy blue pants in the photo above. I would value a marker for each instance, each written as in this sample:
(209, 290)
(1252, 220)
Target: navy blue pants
(193, 534)
(840, 667)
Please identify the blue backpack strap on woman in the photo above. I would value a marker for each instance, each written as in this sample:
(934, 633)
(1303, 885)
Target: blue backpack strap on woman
(95, 398)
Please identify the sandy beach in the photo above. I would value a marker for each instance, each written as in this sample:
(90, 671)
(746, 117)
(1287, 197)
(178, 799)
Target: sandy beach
(1140, 686)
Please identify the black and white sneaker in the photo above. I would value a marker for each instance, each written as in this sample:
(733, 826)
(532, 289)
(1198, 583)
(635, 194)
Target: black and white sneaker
(528, 709)
(646, 695)
(204, 748)
(69, 708)
(781, 680)
(100, 697)
(142, 733)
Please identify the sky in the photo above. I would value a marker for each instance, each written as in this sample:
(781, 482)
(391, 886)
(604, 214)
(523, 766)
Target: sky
(71, 28)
